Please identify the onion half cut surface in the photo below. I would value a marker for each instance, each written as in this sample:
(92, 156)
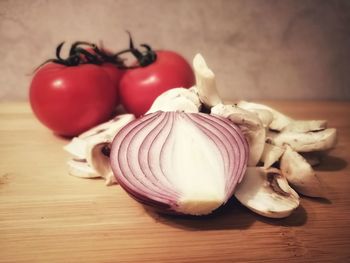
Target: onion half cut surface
(176, 162)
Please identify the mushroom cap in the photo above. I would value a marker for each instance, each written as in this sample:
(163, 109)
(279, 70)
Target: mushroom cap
(267, 193)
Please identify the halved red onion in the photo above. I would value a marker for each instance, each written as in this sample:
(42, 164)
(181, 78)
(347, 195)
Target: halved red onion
(176, 162)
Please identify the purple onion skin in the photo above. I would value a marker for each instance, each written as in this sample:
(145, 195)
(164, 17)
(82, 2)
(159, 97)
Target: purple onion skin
(168, 206)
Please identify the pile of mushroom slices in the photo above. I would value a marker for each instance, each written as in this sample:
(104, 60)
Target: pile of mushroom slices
(282, 151)
(90, 150)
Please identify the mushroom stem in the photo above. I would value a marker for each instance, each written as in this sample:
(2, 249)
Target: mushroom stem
(205, 82)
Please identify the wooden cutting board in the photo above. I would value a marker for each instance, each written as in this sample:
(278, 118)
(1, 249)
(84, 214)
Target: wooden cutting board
(48, 216)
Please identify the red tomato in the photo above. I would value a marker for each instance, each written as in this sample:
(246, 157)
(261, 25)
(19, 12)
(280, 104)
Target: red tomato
(115, 74)
(112, 70)
(141, 86)
(70, 100)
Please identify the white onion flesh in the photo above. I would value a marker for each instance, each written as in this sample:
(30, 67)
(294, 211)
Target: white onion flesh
(185, 163)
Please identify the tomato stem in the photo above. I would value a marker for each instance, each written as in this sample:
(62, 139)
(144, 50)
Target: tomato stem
(144, 58)
(78, 55)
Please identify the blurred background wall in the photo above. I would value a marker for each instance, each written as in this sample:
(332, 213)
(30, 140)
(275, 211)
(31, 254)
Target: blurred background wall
(258, 49)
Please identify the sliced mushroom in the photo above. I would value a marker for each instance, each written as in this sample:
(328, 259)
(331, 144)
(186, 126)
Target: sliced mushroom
(271, 154)
(194, 89)
(267, 193)
(77, 148)
(305, 142)
(279, 120)
(300, 174)
(98, 159)
(114, 127)
(282, 122)
(250, 125)
(80, 168)
(89, 150)
(256, 141)
(205, 82)
(107, 131)
(177, 99)
(306, 125)
(265, 116)
(115, 122)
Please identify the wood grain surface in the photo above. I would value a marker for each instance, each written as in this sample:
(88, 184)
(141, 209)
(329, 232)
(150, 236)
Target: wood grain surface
(48, 216)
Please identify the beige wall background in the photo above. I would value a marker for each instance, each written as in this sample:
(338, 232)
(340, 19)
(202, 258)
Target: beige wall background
(258, 49)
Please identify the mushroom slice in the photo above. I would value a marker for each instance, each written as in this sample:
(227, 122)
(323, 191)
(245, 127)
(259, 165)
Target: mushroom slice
(305, 142)
(119, 120)
(97, 149)
(109, 129)
(90, 152)
(306, 125)
(265, 116)
(177, 99)
(282, 122)
(267, 193)
(205, 82)
(271, 154)
(250, 125)
(300, 174)
(80, 168)
(98, 159)
(77, 148)
(194, 90)
(279, 120)
(238, 115)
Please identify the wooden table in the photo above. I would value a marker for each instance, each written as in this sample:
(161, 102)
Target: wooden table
(48, 216)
